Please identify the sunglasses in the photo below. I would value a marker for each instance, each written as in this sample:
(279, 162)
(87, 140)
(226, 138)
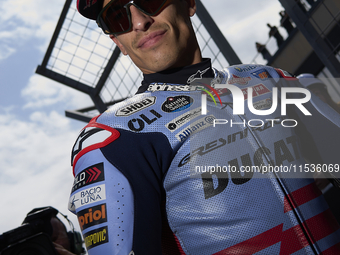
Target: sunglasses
(115, 17)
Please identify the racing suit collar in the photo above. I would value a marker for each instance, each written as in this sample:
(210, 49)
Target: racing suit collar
(184, 75)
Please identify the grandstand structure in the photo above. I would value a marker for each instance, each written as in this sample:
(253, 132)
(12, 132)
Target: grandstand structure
(82, 57)
(313, 46)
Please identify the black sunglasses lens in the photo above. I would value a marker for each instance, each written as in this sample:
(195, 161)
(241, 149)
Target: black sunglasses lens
(115, 18)
(150, 6)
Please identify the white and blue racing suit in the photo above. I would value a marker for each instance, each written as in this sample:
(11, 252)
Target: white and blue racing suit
(155, 176)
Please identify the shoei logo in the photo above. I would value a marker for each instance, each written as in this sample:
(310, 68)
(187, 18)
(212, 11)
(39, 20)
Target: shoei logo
(239, 95)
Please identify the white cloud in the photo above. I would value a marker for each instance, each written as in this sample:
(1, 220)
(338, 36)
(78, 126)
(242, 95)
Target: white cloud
(41, 92)
(35, 166)
(5, 51)
(30, 145)
(22, 20)
(33, 13)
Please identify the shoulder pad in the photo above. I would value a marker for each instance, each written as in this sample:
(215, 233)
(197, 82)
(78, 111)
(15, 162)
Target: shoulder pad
(285, 74)
(93, 136)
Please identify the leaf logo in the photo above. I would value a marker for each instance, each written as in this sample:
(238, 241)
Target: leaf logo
(209, 93)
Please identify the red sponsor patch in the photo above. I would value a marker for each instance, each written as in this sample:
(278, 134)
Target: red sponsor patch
(258, 90)
(239, 80)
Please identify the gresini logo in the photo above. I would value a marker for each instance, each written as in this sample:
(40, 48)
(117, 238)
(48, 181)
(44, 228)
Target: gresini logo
(197, 76)
(136, 107)
(203, 150)
(239, 97)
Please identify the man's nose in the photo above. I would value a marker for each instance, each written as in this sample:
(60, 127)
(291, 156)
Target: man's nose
(140, 21)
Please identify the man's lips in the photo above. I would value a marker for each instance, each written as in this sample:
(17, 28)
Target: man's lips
(151, 39)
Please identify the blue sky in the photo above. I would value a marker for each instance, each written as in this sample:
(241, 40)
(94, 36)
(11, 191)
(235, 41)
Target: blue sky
(36, 138)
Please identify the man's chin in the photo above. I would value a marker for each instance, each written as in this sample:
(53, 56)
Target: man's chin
(159, 64)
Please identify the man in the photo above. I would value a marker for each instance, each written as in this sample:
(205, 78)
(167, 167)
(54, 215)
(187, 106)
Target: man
(286, 22)
(141, 184)
(274, 31)
(65, 243)
(261, 48)
(60, 238)
(318, 88)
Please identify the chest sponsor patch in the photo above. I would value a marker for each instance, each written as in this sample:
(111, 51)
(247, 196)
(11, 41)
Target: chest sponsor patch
(136, 107)
(183, 119)
(171, 87)
(263, 104)
(239, 80)
(258, 90)
(262, 74)
(177, 103)
(245, 68)
(195, 127)
(87, 197)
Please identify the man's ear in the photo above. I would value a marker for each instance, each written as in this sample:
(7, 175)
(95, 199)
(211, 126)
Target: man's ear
(118, 43)
(192, 7)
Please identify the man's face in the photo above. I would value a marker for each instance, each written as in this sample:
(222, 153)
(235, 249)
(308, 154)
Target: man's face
(161, 42)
